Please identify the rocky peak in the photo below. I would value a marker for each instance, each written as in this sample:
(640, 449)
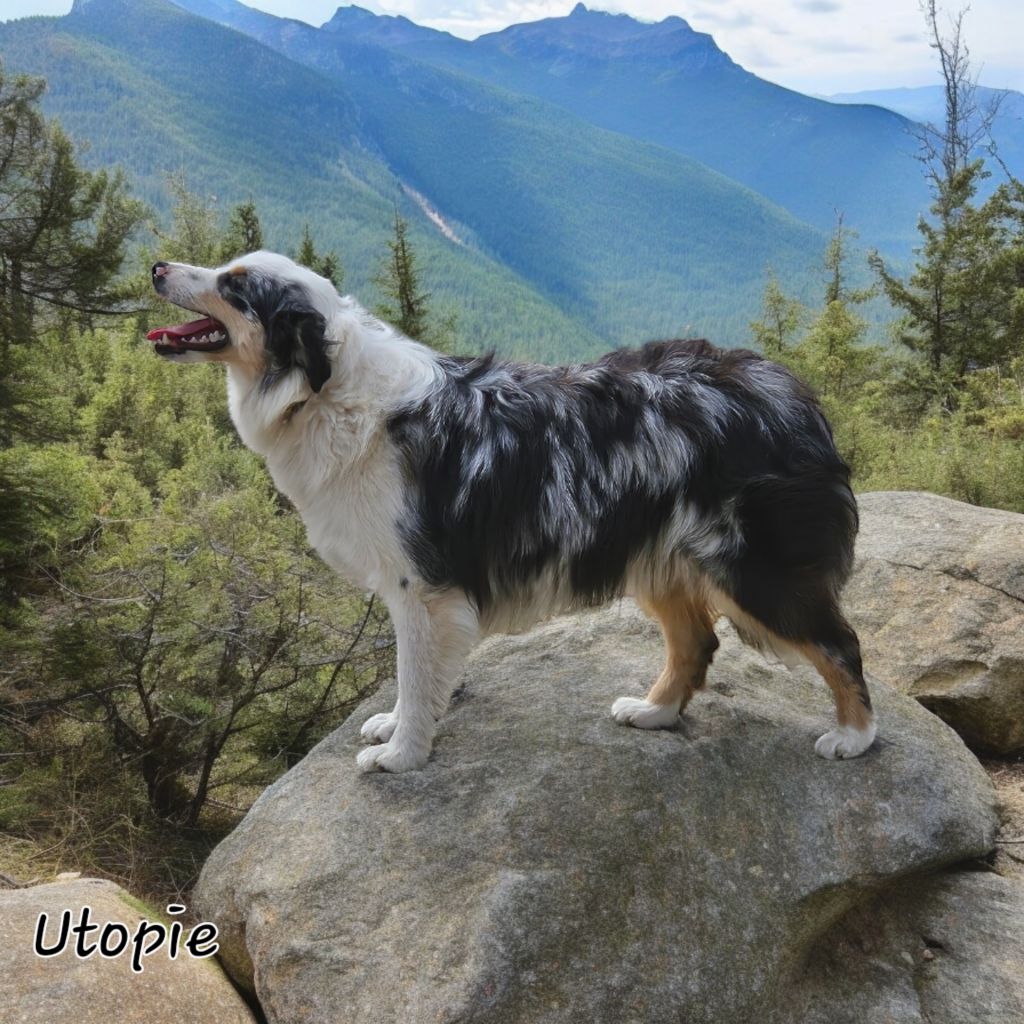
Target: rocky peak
(359, 24)
(600, 35)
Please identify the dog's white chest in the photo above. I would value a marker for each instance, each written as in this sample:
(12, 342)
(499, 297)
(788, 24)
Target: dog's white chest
(351, 515)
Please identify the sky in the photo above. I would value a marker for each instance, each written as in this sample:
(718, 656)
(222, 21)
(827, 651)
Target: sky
(817, 46)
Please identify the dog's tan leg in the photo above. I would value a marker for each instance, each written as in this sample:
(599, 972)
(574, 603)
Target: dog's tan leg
(856, 720)
(690, 644)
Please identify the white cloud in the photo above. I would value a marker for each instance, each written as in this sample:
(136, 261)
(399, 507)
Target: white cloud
(818, 6)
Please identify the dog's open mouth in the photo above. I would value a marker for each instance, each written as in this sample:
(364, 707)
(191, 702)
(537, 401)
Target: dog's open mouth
(206, 335)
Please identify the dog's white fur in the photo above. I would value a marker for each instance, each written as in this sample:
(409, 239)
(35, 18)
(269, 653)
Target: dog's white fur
(332, 459)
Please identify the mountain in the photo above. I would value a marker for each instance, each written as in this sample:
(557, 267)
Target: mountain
(927, 105)
(145, 84)
(360, 25)
(668, 84)
(550, 236)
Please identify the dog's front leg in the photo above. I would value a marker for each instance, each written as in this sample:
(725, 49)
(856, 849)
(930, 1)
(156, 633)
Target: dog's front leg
(434, 636)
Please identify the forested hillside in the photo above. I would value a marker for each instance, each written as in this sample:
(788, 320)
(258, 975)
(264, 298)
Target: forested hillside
(667, 84)
(144, 86)
(168, 640)
(571, 239)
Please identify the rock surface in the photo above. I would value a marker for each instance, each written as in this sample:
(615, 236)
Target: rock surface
(942, 950)
(66, 990)
(550, 866)
(937, 596)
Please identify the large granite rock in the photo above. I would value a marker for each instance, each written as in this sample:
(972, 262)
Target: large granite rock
(67, 990)
(942, 950)
(550, 866)
(937, 596)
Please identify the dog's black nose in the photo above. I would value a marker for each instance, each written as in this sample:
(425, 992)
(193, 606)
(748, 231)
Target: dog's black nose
(159, 269)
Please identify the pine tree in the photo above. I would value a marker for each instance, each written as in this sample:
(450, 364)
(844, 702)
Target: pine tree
(780, 318)
(947, 149)
(244, 233)
(836, 256)
(957, 303)
(951, 302)
(63, 230)
(195, 235)
(406, 305)
(326, 265)
(63, 236)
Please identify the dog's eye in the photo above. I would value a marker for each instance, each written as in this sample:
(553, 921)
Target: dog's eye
(231, 285)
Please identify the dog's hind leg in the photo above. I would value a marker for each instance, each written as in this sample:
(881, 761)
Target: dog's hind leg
(782, 587)
(812, 627)
(690, 644)
(836, 656)
(434, 636)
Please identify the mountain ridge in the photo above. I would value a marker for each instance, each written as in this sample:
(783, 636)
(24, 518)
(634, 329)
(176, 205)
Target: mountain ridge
(610, 36)
(671, 86)
(576, 239)
(928, 104)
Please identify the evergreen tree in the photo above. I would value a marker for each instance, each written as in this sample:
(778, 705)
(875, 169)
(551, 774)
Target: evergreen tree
(406, 305)
(244, 233)
(953, 301)
(957, 303)
(828, 350)
(836, 256)
(947, 149)
(195, 236)
(63, 235)
(780, 318)
(168, 638)
(1005, 209)
(326, 265)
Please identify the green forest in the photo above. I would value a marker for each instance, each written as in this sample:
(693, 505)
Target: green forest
(171, 645)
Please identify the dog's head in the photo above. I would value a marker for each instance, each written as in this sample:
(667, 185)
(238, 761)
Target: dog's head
(263, 312)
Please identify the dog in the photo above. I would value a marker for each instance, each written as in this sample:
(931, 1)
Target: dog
(478, 496)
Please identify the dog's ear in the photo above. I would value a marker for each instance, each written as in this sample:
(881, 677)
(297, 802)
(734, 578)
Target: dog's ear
(297, 338)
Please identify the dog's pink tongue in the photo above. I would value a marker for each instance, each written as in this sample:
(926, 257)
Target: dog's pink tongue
(204, 326)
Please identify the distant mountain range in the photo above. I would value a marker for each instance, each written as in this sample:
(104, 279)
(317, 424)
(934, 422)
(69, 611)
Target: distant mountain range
(667, 84)
(572, 184)
(927, 105)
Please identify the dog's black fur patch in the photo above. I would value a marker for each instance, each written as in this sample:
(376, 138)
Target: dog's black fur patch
(293, 329)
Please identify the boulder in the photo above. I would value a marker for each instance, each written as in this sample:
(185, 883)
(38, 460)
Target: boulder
(550, 866)
(937, 596)
(64, 989)
(941, 950)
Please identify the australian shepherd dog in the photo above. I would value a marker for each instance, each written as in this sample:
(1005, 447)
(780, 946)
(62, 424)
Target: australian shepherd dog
(480, 496)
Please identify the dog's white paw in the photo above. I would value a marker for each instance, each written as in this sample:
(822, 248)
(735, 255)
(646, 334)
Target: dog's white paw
(845, 742)
(388, 757)
(643, 714)
(379, 728)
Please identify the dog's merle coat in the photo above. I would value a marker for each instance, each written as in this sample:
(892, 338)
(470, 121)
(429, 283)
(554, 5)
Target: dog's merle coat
(678, 450)
(478, 496)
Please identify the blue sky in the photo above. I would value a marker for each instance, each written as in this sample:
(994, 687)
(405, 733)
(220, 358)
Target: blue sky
(818, 46)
